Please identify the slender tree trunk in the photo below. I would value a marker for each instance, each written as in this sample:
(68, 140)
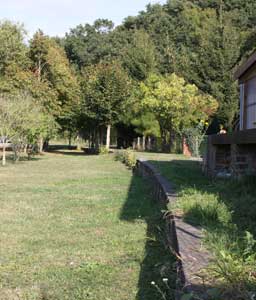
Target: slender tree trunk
(4, 155)
(25, 149)
(41, 145)
(134, 145)
(69, 139)
(143, 143)
(138, 143)
(108, 136)
(78, 143)
(149, 143)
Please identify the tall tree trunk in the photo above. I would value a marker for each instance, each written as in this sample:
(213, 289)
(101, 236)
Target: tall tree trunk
(143, 143)
(138, 143)
(41, 145)
(25, 149)
(134, 145)
(108, 136)
(149, 143)
(69, 139)
(4, 155)
(78, 142)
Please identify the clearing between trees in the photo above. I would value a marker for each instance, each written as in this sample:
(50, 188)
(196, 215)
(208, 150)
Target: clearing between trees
(79, 227)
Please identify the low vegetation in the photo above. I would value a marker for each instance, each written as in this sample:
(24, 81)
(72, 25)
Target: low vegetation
(226, 210)
(79, 227)
(127, 157)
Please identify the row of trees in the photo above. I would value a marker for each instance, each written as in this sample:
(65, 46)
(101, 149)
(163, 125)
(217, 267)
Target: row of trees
(158, 74)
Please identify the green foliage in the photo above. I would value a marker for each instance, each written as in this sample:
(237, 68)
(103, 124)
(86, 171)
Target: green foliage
(176, 103)
(12, 48)
(106, 89)
(234, 267)
(127, 157)
(24, 122)
(225, 209)
(103, 150)
(51, 65)
(139, 56)
(195, 136)
(90, 44)
(201, 41)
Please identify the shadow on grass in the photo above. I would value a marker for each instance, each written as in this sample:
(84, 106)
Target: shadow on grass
(10, 158)
(158, 262)
(72, 150)
(65, 150)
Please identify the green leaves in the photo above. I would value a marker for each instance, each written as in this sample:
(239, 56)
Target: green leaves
(175, 103)
(106, 88)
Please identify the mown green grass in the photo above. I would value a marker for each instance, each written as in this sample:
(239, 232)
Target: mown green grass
(79, 227)
(226, 210)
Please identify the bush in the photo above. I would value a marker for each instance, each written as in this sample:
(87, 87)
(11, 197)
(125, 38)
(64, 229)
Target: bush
(195, 137)
(103, 150)
(127, 157)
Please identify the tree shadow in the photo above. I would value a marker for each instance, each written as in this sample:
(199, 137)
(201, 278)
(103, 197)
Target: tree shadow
(158, 262)
(23, 158)
(66, 150)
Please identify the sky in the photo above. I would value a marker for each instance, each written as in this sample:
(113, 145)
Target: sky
(56, 17)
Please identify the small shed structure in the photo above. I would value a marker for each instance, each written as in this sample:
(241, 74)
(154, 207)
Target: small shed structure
(235, 154)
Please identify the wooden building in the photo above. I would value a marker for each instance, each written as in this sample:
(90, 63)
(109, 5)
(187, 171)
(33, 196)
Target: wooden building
(235, 154)
(246, 75)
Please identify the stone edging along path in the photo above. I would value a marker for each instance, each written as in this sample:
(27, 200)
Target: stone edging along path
(184, 240)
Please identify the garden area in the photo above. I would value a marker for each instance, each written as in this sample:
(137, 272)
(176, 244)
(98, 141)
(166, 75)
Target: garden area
(226, 211)
(78, 109)
(79, 227)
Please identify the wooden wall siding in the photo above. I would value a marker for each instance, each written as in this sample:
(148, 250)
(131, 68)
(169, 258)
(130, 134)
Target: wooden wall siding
(249, 113)
(241, 106)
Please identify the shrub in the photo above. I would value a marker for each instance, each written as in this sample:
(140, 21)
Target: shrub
(103, 150)
(127, 157)
(195, 137)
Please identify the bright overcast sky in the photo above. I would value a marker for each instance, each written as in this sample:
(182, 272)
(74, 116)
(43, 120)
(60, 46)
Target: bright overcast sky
(55, 17)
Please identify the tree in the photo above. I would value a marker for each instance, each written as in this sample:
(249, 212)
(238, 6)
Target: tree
(22, 122)
(201, 41)
(52, 68)
(106, 89)
(139, 57)
(175, 103)
(12, 47)
(90, 44)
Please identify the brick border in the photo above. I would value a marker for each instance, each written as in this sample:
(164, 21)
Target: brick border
(183, 239)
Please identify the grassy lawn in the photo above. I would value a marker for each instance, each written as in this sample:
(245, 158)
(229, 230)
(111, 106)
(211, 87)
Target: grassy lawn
(79, 227)
(226, 209)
